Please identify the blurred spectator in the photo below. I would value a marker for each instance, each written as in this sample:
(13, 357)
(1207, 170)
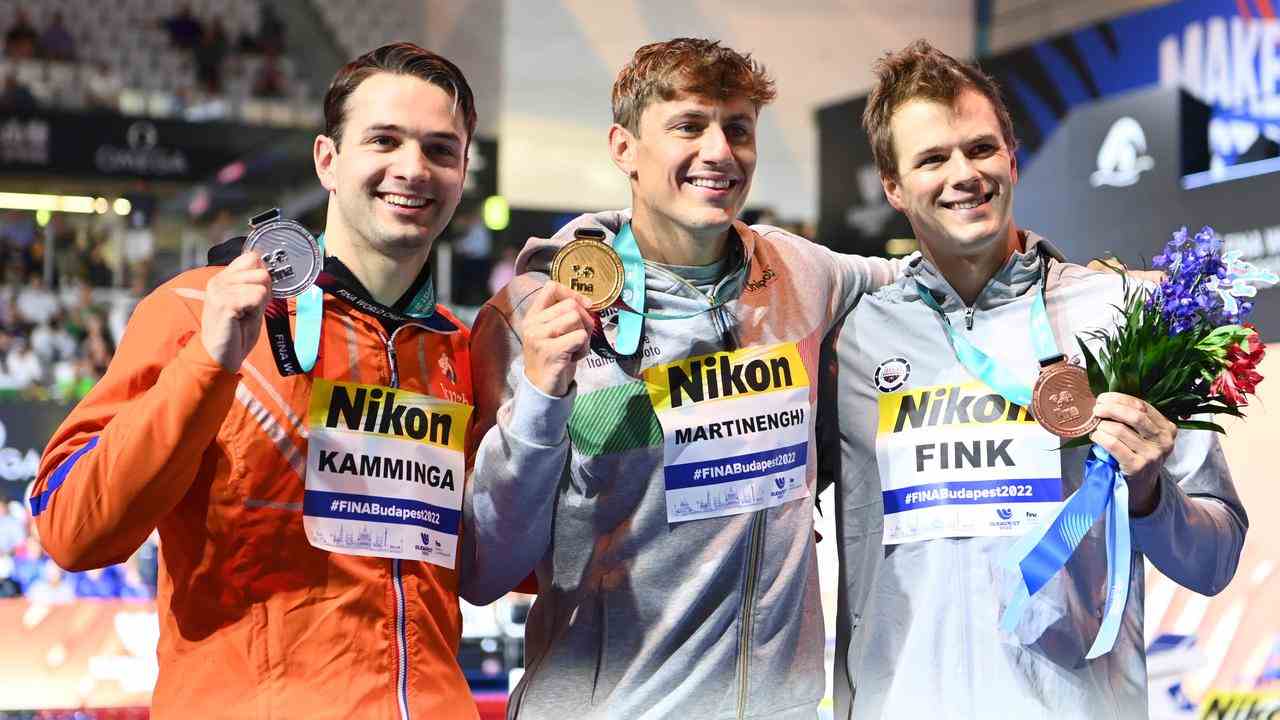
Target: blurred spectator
(103, 86)
(52, 343)
(209, 55)
(97, 348)
(36, 303)
(51, 587)
(185, 29)
(24, 366)
(13, 530)
(98, 272)
(28, 562)
(104, 582)
(269, 82)
(16, 97)
(78, 314)
(8, 586)
(72, 380)
(270, 30)
(56, 42)
(503, 270)
(21, 38)
(18, 231)
(472, 248)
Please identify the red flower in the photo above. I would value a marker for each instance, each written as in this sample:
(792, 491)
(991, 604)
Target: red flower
(1240, 376)
(1225, 385)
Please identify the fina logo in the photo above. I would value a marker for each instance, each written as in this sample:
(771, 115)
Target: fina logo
(1123, 155)
(892, 374)
(1005, 513)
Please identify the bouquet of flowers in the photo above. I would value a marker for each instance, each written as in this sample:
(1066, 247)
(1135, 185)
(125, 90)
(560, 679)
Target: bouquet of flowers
(1184, 346)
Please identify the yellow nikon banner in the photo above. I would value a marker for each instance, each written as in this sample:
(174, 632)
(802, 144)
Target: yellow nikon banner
(388, 412)
(742, 373)
(1231, 705)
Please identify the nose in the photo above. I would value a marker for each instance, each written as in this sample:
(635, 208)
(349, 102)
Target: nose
(715, 147)
(961, 171)
(411, 164)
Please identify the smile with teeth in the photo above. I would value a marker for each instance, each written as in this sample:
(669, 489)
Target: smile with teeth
(969, 204)
(721, 184)
(407, 201)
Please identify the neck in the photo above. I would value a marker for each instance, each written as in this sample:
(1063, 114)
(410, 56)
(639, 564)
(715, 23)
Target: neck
(663, 241)
(969, 274)
(385, 277)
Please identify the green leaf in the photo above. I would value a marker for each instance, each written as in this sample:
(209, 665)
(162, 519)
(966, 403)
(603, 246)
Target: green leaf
(1200, 425)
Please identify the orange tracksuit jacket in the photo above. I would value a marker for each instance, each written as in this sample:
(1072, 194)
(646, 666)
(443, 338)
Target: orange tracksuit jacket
(254, 621)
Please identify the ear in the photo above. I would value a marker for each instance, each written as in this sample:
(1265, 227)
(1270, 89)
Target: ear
(622, 148)
(892, 191)
(325, 153)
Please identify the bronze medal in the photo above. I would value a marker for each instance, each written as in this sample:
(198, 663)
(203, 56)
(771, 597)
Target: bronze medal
(1062, 402)
(590, 267)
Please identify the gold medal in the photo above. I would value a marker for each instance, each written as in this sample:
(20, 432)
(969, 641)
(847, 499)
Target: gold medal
(1062, 402)
(588, 266)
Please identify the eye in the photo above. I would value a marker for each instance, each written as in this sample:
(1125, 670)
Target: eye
(982, 150)
(740, 132)
(385, 141)
(688, 128)
(930, 160)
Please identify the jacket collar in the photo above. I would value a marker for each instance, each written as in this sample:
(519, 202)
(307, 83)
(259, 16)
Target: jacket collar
(1019, 274)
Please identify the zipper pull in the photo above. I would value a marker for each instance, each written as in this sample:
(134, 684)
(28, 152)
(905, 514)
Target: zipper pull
(968, 318)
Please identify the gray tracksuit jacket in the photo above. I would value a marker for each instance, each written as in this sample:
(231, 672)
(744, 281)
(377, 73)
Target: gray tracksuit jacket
(637, 617)
(918, 622)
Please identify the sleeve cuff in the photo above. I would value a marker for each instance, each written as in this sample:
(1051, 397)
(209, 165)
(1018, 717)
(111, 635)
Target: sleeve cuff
(540, 418)
(202, 364)
(1165, 487)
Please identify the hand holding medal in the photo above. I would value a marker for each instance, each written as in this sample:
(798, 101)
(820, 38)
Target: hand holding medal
(556, 329)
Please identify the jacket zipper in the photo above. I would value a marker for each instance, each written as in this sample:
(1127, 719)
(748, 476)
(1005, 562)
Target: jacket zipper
(397, 583)
(748, 609)
(968, 317)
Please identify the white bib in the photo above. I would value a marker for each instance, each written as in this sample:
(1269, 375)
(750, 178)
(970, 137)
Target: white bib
(962, 461)
(735, 429)
(384, 472)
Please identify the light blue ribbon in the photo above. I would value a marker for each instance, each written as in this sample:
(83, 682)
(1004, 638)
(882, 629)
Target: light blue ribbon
(1038, 555)
(310, 307)
(631, 315)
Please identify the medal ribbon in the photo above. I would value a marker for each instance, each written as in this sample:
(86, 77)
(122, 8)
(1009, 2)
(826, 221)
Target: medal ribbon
(631, 312)
(291, 358)
(1038, 555)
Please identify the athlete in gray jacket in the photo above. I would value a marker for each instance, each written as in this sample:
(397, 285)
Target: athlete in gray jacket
(663, 496)
(938, 474)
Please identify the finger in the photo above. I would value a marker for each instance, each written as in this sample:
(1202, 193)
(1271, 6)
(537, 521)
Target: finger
(559, 325)
(247, 259)
(1125, 435)
(575, 344)
(567, 307)
(544, 298)
(251, 276)
(1125, 415)
(1105, 439)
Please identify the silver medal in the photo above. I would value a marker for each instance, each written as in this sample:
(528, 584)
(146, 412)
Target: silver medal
(291, 254)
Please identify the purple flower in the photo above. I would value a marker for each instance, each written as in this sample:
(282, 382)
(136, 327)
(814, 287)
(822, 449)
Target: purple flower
(1190, 292)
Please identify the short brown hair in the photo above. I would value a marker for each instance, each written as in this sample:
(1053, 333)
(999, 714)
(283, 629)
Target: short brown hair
(400, 58)
(661, 71)
(922, 72)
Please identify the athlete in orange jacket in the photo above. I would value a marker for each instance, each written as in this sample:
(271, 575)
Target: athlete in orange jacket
(289, 584)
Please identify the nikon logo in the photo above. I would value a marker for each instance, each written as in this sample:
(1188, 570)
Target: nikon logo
(953, 406)
(376, 411)
(711, 379)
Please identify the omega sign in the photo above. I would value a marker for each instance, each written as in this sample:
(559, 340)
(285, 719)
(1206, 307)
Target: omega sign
(143, 155)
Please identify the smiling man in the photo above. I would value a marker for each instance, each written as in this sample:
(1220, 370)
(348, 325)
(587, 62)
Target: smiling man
(656, 470)
(279, 595)
(940, 468)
